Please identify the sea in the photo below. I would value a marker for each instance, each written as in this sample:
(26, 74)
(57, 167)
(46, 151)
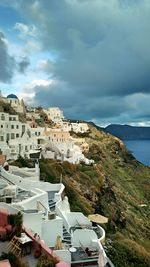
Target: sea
(140, 149)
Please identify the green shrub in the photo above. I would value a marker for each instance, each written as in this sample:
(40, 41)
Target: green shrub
(128, 253)
(47, 261)
(14, 260)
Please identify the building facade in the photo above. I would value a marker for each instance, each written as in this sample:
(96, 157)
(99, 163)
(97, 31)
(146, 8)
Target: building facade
(54, 114)
(15, 103)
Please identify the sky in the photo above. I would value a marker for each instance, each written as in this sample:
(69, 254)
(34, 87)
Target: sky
(91, 58)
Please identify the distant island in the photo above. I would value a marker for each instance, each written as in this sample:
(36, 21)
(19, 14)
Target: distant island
(127, 132)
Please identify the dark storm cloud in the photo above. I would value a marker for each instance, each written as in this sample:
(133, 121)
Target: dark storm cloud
(103, 53)
(7, 63)
(23, 65)
(76, 107)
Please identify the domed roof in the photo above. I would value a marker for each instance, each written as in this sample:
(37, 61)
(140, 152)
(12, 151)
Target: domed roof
(12, 96)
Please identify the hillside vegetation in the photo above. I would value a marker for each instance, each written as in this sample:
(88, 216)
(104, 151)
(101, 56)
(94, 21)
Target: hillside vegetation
(116, 186)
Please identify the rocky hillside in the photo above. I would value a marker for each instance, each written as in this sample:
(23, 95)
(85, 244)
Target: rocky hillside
(116, 186)
(127, 132)
(6, 107)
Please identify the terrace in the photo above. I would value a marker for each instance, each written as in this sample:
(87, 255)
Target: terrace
(30, 259)
(28, 247)
(80, 239)
(78, 256)
(13, 194)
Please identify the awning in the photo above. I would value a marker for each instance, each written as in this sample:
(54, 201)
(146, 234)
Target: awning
(97, 218)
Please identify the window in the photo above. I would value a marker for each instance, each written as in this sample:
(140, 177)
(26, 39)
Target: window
(2, 138)
(1, 126)
(7, 137)
(2, 117)
(12, 136)
(26, 148)
(17, 126)
(17, 135)
(10, 118)
(12, 126)
(14, 118)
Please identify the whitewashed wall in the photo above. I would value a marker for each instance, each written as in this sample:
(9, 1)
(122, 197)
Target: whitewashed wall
(51, 229)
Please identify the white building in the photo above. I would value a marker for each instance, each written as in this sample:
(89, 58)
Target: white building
(79, 127)
(32, 114)
(61, 146)
(47, 213)
(15, 137)
(15, 103)
(54, 114)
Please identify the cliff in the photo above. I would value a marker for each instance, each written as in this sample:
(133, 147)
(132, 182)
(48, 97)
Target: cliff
(116, 186)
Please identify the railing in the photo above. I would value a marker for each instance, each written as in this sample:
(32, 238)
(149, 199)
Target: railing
(110, 262)
(62, 215)
(40, 203)
(102, 233)
(3, 177)
(58, 195)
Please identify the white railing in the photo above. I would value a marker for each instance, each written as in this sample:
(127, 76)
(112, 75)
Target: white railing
(102, 233)
(62, 214)
(58, 195)
(30, 184)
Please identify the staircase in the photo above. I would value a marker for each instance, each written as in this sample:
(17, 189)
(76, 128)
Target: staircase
(66, 236)
(20, 190)
(51, 204)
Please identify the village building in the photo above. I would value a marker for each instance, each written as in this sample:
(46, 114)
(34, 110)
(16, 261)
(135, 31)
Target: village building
(32, 114)
(57, 136)
(15, 137)
(79, 127)
(15, 103)
(54, 114)
(48, 222)
(28, 139)
(82, 144)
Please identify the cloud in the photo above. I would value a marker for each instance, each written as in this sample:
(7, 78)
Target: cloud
(23, 65)
(45, 65)
(130, 109)
(25, 30)
(7, 63)
(103, 56)
(29, 90)
(32, 46)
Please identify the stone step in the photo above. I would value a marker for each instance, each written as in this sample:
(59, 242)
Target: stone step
(67, 236)
(52, 204)
(65, 231)
(52, 208)
(51, 201)
(66, 241)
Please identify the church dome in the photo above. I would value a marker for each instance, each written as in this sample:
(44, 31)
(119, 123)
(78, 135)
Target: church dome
(12, 96)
